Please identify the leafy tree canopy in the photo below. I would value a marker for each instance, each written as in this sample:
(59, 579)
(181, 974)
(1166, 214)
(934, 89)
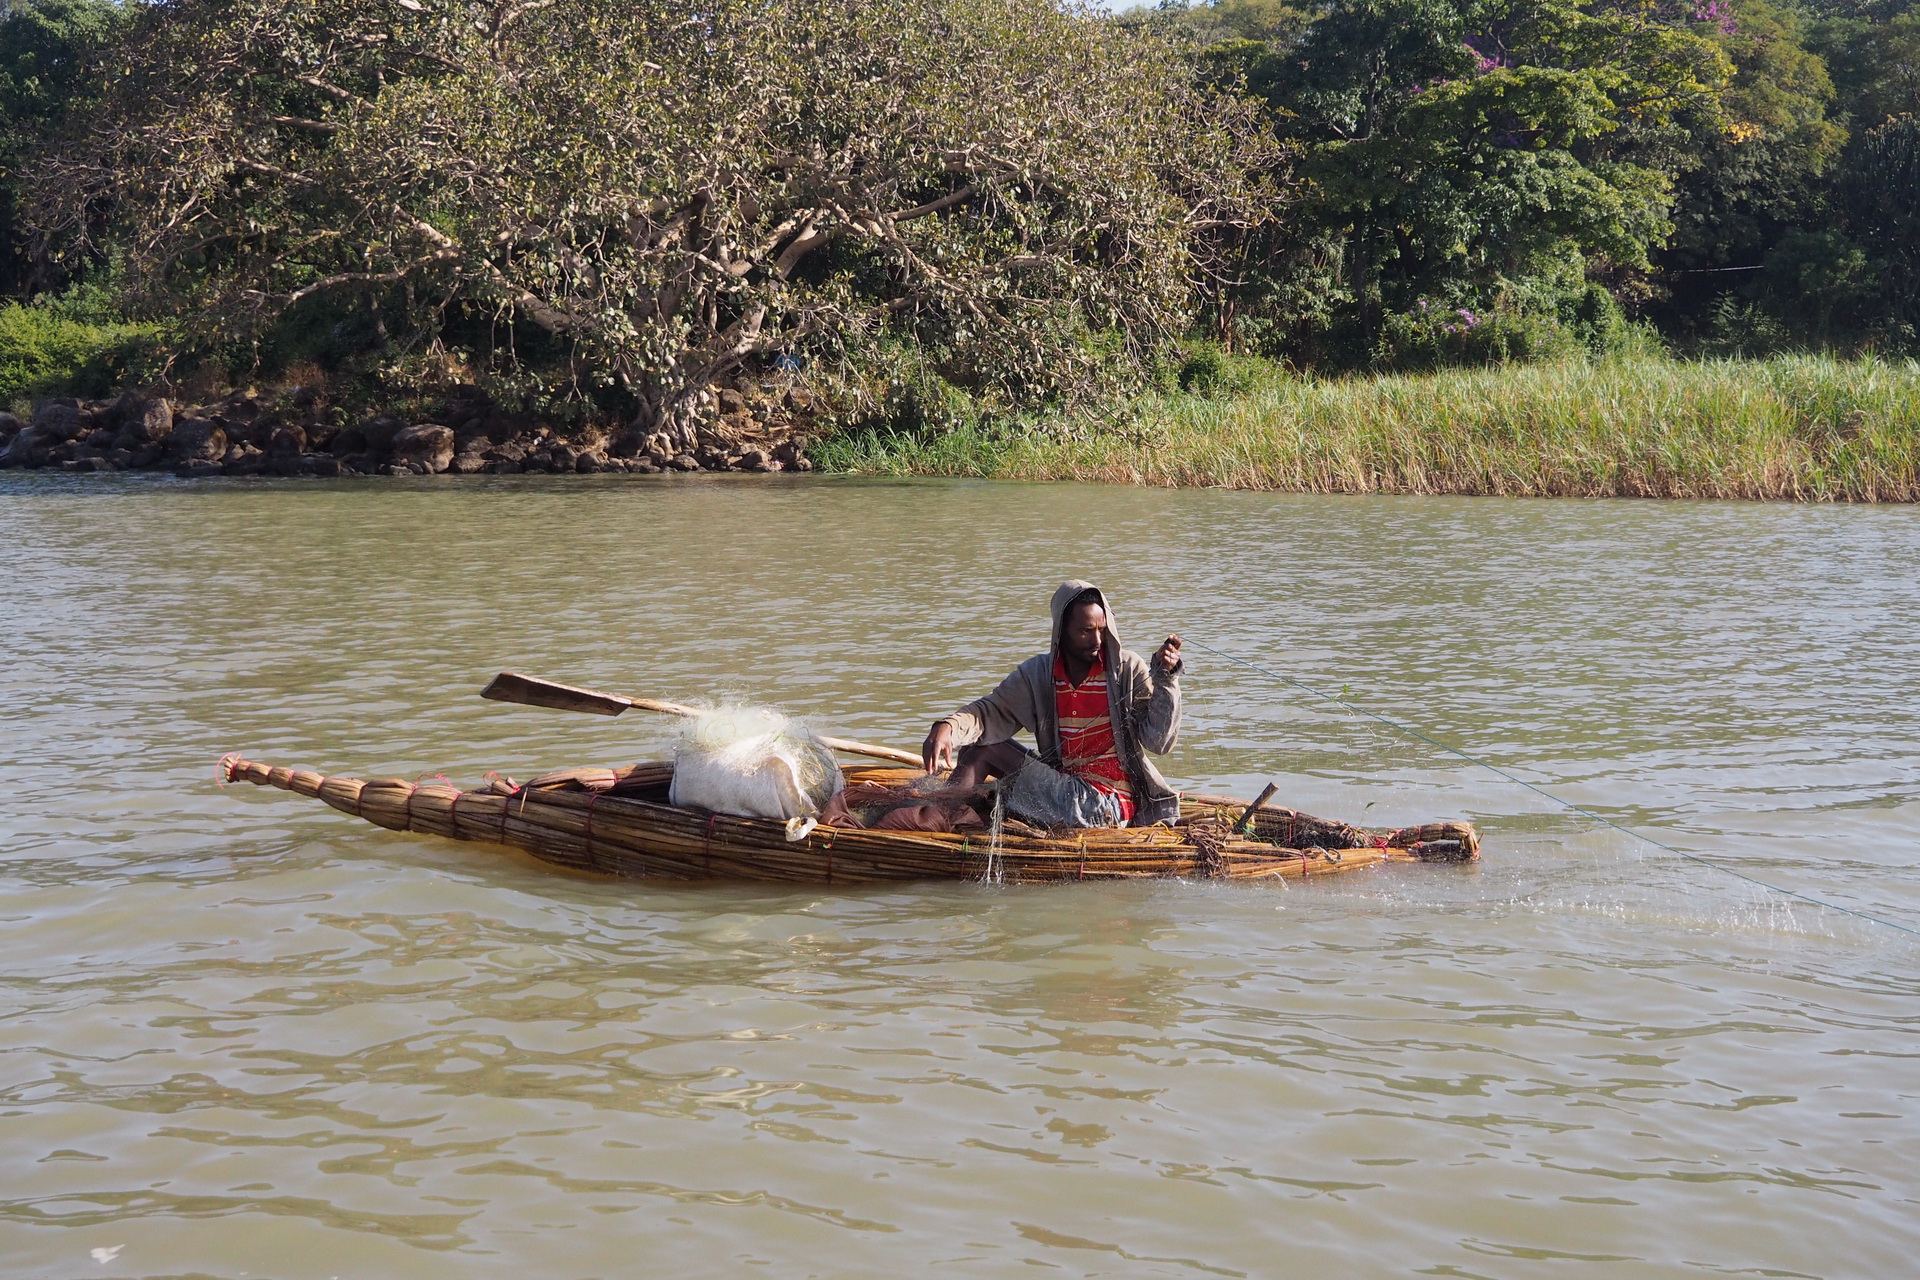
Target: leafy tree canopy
(673, 192)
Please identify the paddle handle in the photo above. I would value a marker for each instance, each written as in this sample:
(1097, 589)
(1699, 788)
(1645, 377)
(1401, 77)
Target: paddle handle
(531, 691)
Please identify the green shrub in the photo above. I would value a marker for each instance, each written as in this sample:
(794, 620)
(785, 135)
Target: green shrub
(1433, 335)
(1209, 370)
(44, 351)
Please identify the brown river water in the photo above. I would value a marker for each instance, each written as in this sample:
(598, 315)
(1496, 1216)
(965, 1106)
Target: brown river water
(247, 1036)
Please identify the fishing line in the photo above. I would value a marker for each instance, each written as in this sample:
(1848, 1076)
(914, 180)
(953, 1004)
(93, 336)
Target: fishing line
(1545, 794)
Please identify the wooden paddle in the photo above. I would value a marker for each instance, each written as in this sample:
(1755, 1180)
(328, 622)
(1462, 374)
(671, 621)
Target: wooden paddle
(530, 691)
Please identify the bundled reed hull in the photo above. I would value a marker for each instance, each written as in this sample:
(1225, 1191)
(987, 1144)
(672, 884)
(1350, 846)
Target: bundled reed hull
(617, 822)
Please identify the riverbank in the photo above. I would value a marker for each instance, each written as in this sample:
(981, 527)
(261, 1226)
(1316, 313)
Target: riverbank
(1807, 429)
(294, 433)
(1797, 428)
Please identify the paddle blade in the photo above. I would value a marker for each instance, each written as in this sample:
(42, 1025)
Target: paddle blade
(528, 691)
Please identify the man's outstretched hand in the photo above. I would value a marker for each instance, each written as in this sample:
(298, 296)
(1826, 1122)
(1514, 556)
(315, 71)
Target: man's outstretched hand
(937, 751)
(1166, 657)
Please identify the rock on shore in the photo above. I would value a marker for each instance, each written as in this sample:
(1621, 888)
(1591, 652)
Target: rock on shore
(244, 436)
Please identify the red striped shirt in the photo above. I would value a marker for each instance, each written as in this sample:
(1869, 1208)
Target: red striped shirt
(1086, 733)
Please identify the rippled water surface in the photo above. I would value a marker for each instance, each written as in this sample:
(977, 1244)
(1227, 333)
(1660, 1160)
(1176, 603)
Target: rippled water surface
(245, 1035)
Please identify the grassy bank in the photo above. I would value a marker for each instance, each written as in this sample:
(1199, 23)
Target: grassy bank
(1800, 428)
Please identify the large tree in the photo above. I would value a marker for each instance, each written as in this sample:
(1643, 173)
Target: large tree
(50, 54)
(675, 190)
(1451, 148)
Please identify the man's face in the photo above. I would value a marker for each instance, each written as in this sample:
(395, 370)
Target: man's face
(1086, 623)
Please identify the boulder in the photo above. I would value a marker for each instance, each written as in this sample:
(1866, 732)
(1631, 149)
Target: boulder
(800, 464)
(61, 420)
(91, 463)
(320, 434)
(10, 427)
(320, 464)
(122, 459)
(244, 460)
(377, 434)
(198, 439)
(197, 469)
(731, 401)
(683, 462)
(590, 462)
(626, 444)
(348, 442)
(503, 467)
(426, 445)
(564, 457)
(467, 462)
(115, 414)
(511, 451)
(256, 432)
(153, 423)
(288, 440)
(29, 447)
(644, 467)
(753, 460)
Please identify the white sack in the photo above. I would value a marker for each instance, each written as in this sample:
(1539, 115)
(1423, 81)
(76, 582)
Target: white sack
(753, 764)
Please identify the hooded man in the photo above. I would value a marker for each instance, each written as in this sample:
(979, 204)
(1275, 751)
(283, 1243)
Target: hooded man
(1094, 710)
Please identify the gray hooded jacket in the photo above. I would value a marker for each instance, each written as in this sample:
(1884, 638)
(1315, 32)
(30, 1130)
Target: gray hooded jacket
(1144, 700)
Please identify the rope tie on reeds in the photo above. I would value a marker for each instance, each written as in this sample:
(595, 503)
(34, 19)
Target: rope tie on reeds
(453, 811)
(590, 803)
(1548, 795)
(413, 789)
(225, 768)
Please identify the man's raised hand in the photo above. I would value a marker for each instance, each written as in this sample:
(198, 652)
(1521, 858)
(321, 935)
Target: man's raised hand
(1167, 656)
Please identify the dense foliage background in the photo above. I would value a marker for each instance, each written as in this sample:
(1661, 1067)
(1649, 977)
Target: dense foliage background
(934, 210)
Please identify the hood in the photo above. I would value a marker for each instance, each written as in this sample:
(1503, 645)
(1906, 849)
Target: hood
(1064, 596)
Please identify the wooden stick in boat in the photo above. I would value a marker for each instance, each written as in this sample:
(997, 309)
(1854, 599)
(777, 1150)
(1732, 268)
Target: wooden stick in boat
(531, 691)
(1240, 824)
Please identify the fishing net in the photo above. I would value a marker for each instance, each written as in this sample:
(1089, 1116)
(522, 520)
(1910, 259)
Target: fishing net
(753, 763)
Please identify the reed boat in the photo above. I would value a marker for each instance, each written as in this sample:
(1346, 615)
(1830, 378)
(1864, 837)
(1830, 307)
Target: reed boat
(618, 822)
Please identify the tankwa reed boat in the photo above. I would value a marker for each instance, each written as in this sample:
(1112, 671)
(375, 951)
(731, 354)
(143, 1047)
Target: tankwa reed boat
(618, 822)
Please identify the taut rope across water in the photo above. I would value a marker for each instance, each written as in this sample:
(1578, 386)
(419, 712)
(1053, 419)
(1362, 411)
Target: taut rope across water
(1542, 792)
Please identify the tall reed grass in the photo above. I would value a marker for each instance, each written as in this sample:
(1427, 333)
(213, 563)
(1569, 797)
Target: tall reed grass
(1806, 428)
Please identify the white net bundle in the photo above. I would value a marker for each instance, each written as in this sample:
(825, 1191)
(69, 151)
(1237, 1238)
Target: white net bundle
(754, 763)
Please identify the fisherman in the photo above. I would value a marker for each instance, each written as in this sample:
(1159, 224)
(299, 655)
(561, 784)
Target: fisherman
(1094, 710)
